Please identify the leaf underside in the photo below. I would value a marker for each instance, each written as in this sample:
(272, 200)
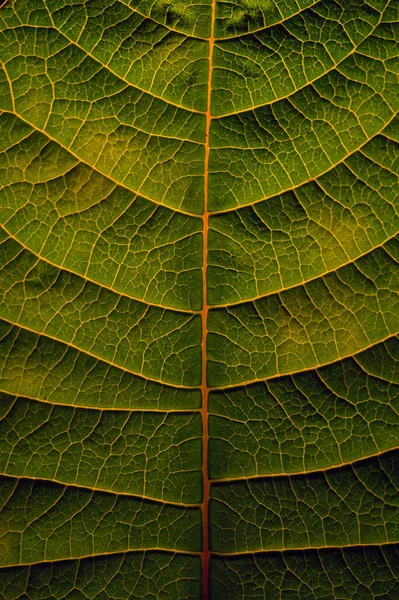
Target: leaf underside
(199, 303)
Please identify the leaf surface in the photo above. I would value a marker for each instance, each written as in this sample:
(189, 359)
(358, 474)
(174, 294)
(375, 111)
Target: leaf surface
(199, 381)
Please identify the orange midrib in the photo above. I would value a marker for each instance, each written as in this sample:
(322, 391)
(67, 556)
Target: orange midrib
(204, 315)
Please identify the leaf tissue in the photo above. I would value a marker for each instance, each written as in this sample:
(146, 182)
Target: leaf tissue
(199, 361)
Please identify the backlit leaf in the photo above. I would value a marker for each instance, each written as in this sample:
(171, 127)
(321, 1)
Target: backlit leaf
(199, 299)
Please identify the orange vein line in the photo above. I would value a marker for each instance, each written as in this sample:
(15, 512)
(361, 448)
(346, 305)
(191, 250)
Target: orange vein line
(85, 277)
(204, 315)
(103, 360)
(99, 555)
(343, 547)
(93, 489)
(94, 407)
(291, 475)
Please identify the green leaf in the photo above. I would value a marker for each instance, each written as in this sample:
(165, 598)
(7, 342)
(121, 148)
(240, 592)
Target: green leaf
(199, 299)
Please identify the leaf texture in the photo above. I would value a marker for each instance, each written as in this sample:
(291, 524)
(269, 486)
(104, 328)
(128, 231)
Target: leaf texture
(199, 380)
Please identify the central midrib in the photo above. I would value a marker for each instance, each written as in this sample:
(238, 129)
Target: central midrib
(204, 315)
